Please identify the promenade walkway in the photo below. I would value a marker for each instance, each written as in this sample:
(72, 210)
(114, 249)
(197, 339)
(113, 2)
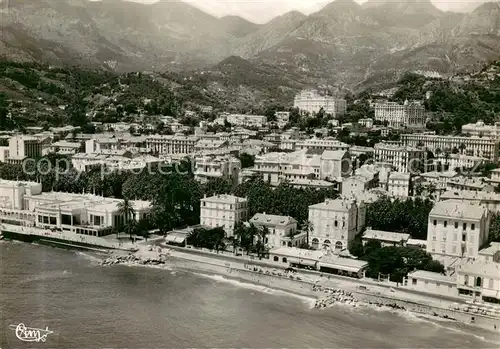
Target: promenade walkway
(108, 242)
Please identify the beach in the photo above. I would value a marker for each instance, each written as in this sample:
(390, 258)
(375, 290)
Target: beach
(307, 284)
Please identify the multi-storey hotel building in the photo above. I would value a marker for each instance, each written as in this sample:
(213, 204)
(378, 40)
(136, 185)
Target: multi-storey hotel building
(335, 223)
(409, 114)
(321, 144)
(175, 144)
(247, 120)
(310, 101)
(223, 211)
(480, 129)
(402, 158)
(472, 146)
(457, 229)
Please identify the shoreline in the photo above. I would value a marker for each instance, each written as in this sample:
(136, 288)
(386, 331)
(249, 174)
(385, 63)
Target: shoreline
(318, 289)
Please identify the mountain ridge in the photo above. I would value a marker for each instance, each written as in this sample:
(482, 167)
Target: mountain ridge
(344, 42)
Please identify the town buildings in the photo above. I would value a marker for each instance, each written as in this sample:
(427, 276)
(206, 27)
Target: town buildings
(456, 230)
(223, 211)
(480, 129)
(302, 165)
(334, 223)
(321, 144)
(472, 146)
(282, 118)
(310, 101)
(247, 120)
(401, 158)
(410, 114)
(65, 147)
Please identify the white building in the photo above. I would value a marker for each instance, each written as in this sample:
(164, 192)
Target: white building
(310, 101)
(410, 114)
(4, 153)
(367, 123)
(12, 193)
(171, 144)
(335, 223)
(321, 144)
(223, 211)
(100, 144)
(282, 230)
(205, 144)
(461, 161)
(323, 261)
(490, 200)
(479, 280)
(456, 229)
(401, 158)
(480, 129)
(472, 146)
(300, 165)
(386, 238)
(247, 120)
(355, 186)
(65, 147)
(398, 184)
(210, 167)
(433, 283)
(24, 146)
(81, 213)
(282, 118)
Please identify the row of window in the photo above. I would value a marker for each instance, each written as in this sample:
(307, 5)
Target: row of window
(464, 225)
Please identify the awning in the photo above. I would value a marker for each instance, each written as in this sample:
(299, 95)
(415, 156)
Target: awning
(491, 293)
(175, 238)
(341, 267)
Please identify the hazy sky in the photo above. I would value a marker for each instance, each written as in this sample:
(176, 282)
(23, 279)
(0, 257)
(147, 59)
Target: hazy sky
(260, 11)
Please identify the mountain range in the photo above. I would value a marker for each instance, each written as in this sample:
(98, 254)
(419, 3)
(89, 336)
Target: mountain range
(342, 45)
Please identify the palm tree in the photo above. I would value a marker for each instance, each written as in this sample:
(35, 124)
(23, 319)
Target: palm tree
(131, 227)
(309, 229)
(126, 210)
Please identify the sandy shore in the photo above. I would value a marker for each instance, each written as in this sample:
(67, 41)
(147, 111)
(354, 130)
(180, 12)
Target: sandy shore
(321, 290)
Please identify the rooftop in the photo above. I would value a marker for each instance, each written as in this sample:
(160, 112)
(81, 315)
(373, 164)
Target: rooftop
(400, 176)
(269, 219)
(385, 235)
(458, 209)
(490, 250)
(333, 154)
(297, 253)
(488, 269)
(338, 205)
(224, 198)
(428, 275)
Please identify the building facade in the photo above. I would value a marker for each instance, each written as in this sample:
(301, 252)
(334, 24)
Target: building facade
(398, 184)
(409, 114)
(171, 144)
(472, 146)
(334, 223)
(282, 230)
(210, 167)
(401, 158)
(310, 101)
(223, 211)
(456, 229)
